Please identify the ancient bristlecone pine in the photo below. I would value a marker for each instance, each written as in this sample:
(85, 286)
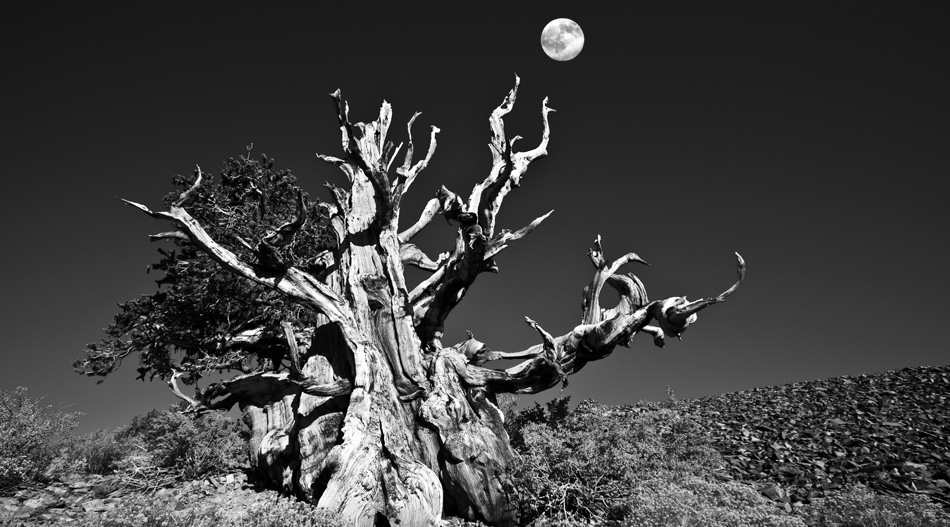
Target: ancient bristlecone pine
(368, 412)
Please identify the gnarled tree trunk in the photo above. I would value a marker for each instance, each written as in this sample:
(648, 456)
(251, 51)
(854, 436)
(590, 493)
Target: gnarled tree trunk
(375, 417)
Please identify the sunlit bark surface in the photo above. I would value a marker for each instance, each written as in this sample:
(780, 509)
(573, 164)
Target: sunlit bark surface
(375, 417)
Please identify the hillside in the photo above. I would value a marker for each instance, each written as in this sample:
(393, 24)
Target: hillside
(794, 443)
(889, 431)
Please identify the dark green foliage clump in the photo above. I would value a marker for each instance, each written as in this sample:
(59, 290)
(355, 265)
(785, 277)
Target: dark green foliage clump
(189, 323)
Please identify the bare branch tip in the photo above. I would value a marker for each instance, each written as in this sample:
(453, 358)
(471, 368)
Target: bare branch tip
(137, 205)
(634, 257)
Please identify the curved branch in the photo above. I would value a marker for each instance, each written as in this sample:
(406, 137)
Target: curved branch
(633, 295)
(549, 345)
(409, 254)
(292, 282)
(435, 297)
(500, 242)
(284, 234)
(476, 244)
(433, 207)
(291, 338)
(346, 129)
(347, 167)
(591, 303)
(551, 362)
(170, 235)
(491, 203)
(507, 167)
(676, 314)
(173, 385)
(410, 150)
(258, 389)
(187, 194)
(407, 174)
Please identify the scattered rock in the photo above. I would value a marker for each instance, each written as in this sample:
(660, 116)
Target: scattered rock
(57, 489)
(774, 492)
(97, 505)
(77, 499)
(887, 431)
(43, 501)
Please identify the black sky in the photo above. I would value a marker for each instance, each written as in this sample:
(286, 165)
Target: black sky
(812, 137)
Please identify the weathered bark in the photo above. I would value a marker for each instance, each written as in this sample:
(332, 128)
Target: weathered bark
(368, 413)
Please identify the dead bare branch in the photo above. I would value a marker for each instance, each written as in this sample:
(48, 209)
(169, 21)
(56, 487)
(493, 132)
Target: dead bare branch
(170, 235)
(592, 312)
(187, 194)
(412, 255)
(432, 208)
(291, 338)
(173, 385)
(676, 314)
(293, 282)
(284, 234)
(500, 242)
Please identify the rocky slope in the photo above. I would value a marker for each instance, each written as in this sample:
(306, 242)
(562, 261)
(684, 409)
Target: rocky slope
(889, 431)
(79, 499)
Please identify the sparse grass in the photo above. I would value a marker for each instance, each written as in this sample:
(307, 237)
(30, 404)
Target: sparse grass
(692, 501)
(143, 512)
(860, 507)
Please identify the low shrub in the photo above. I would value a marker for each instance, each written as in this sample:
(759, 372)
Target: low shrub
(158, 448)
(860, 507)
(29, 429)
(194, 447)
(100, 452)
(582, 465)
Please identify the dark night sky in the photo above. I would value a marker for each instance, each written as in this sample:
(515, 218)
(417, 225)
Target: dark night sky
(813, 138)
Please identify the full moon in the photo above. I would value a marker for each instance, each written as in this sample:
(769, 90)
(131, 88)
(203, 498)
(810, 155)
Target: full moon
(562, 39)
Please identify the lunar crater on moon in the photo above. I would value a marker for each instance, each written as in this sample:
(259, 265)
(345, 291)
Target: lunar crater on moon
(562, 39)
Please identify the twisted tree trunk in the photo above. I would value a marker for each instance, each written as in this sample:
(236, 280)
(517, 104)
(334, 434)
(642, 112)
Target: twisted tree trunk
(374, 417)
